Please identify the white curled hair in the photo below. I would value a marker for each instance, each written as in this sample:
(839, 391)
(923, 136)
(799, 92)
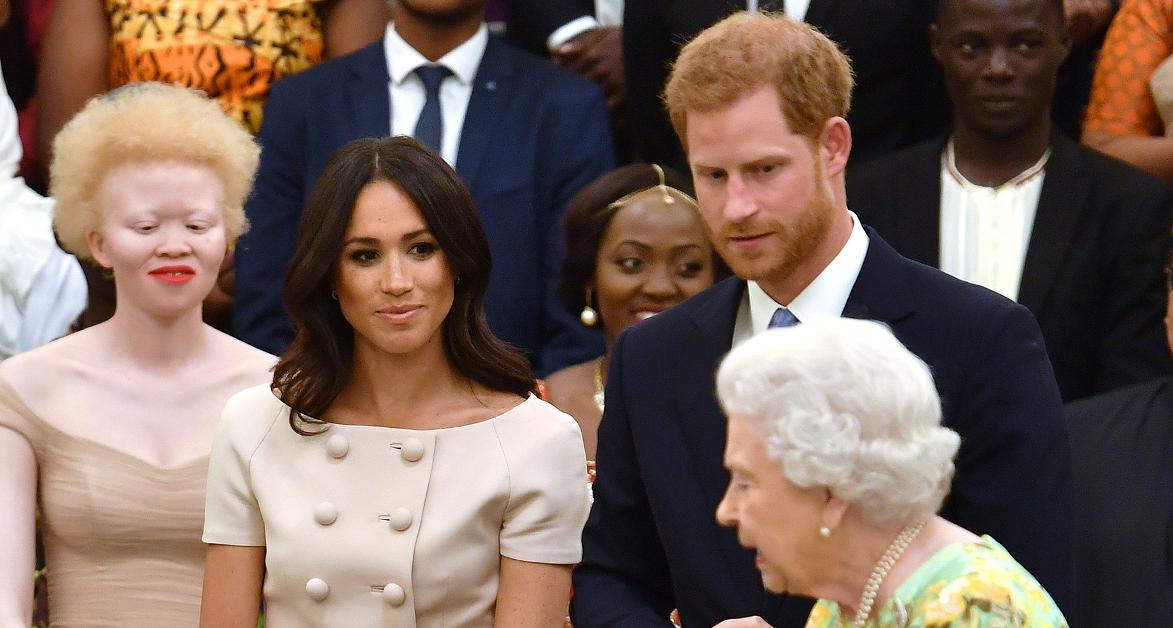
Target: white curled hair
(841, 404)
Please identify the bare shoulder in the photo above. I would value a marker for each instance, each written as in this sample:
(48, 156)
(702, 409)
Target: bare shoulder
(571, 383)
(250, 364)
(40, 370)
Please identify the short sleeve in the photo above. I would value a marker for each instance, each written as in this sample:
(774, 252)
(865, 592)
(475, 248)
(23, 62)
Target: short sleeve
(18, 417)
(232, 515)
(548, 501)
(1139, 39)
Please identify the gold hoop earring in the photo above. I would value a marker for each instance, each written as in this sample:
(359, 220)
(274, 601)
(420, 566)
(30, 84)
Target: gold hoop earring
(588, 316)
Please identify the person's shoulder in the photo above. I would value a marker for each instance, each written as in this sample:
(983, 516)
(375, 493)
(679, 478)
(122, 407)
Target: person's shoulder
(555, 81)
(47, 367)
(929, 151)
(299, 86)
(940, 292)
(1098, 409)
(1107, 172)
(538, 420)
(246, 358)
(248, 418)
(712, 307)
(982, 580)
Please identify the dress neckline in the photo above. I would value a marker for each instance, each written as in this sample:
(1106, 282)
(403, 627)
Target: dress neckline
(7, 391)
(531, 399)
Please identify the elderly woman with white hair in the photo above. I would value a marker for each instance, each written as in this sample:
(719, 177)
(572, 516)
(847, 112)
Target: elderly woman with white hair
(838, 462)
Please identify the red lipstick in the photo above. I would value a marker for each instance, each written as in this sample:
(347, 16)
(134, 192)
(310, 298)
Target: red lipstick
(173, 274)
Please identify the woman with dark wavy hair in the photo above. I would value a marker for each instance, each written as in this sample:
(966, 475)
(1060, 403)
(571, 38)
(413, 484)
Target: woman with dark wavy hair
(399, 470)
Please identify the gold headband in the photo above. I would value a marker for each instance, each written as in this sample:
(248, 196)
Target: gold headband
(663, 188)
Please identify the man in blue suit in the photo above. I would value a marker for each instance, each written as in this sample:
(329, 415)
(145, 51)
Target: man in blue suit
(523, 134)
(759, 103)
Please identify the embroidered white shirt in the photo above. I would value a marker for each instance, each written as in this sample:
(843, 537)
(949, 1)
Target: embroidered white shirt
(985, 231)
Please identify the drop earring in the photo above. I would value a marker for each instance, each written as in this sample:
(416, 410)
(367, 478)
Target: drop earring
(588, 316)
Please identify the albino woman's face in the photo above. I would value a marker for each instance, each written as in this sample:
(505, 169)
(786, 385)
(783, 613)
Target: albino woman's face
(772, 515)
(161, 231)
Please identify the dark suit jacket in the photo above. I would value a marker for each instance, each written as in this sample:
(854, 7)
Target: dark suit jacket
(1123, 441)
(531, 22)
(1092, 275)
(533, 135)
(652, 542)
(898, 98)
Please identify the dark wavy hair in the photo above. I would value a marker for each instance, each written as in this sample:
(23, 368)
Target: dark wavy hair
(312, 372)
(590, 212)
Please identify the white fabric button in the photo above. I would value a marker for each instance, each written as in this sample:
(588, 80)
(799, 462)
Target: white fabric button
(401, 519)
(337, 446)
(325, 513)
(317, 589)
(413, 450)
(394, 595)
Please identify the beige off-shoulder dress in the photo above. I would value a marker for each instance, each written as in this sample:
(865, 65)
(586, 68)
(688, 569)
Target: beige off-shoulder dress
(122, 536)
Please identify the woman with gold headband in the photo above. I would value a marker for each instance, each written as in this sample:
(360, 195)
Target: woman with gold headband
(635, 246)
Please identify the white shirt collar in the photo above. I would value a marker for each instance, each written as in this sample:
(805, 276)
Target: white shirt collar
(824, 297)
(463, 60)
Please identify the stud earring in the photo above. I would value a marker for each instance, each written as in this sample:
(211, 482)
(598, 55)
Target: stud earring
(588, 316)
(825, 532)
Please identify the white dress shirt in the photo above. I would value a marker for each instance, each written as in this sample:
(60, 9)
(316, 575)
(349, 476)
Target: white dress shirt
(407, 94)
(607, 13)
(824, 297)
(985, 231)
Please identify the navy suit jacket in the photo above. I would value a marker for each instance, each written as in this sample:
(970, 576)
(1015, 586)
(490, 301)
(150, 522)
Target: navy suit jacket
(652, 542)
(534, 135)
(1092, 275)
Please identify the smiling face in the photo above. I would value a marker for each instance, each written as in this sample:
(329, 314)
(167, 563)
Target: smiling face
(1000, 59)
(392, 279)
(651, 257)
(763, 190)
(161, 231)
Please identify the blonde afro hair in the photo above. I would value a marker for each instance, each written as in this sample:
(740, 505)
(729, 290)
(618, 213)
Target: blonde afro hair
(146, 122)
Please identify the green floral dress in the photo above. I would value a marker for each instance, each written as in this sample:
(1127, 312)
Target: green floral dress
(971, 585)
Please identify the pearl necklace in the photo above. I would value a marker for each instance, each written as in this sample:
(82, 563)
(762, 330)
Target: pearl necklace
(599, 396)
(891, 555)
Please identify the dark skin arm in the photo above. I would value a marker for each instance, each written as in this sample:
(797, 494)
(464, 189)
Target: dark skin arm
(597, 54)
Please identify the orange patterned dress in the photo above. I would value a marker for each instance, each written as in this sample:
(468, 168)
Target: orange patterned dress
(233, 50)
(1139, 40)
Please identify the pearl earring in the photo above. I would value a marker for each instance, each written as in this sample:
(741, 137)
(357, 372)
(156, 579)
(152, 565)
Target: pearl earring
(588, 316)
(824, 532)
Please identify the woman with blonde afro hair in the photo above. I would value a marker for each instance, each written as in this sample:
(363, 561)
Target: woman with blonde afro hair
(106, 432)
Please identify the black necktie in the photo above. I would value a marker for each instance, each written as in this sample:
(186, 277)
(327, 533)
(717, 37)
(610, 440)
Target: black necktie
(771, 5)
(429, 129)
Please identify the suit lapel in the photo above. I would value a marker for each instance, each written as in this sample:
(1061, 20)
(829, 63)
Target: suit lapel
(881, 292)
(367, 93)
(1061, 205)
(918, 224)
(700, 419)
(491, 89)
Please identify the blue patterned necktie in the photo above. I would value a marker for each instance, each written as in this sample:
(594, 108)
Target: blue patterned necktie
(782, 318)
(429, 128)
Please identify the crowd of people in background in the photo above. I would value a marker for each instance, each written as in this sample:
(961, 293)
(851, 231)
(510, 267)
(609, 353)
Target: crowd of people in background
(541, 313)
